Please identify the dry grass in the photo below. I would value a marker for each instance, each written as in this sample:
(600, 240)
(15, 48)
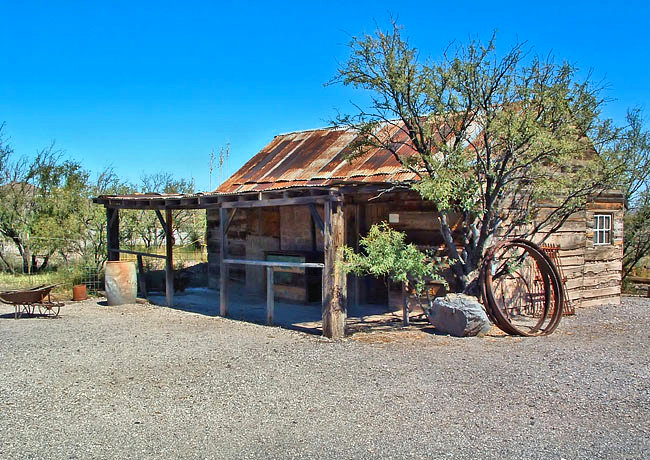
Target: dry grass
(64, 280)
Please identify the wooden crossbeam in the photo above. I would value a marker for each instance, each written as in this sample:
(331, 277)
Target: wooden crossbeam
(137, 253)
(160, 218)
(281, 201)
(230, 219)
(272, 263)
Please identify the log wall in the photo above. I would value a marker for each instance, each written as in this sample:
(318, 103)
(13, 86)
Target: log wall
(603, 263)
(236, 244)
(571, 240)
(593, 271)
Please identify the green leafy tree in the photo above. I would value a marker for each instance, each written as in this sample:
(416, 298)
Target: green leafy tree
(143, 226)
(490, 135)
(60, 194)
(39, 201)
(91, 243)
(636, 244)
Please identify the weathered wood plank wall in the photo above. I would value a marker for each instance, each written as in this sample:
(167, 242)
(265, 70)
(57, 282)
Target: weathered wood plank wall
(603, 263)
(593, 271)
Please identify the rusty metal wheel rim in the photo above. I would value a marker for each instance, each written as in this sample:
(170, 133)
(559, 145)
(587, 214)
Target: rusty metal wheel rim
(550, 278)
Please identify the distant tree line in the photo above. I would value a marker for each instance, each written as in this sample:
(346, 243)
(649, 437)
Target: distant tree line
(46, 210)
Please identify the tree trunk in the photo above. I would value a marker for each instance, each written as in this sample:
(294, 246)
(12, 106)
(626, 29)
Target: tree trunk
(43, 266)
(6, 262)
(465, 267)
(26, 255)
(452, 251)
(472, 287)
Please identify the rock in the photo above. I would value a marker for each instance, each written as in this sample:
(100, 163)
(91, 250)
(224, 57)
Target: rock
(459, 315)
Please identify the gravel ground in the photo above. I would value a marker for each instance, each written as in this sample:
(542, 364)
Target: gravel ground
(139, 381)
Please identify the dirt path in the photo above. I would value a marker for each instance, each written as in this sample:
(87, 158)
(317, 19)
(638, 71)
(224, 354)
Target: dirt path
(139, 381)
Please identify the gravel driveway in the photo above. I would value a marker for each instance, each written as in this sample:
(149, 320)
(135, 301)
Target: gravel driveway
(140, 381)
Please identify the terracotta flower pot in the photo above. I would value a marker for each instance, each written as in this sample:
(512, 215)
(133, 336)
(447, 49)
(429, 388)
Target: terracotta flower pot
(79, 292)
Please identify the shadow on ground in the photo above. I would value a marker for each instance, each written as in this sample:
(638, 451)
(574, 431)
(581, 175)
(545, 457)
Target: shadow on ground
(301, 317)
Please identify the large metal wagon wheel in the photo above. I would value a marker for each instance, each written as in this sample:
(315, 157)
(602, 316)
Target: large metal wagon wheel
(521, 288)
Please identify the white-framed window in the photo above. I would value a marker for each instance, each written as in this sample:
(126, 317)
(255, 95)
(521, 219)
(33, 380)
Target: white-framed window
(602, 229)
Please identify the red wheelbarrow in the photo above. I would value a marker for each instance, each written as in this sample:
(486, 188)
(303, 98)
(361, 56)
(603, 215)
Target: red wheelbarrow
(27, 300)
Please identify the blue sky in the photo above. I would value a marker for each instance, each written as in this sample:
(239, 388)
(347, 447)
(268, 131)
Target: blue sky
(155, 86)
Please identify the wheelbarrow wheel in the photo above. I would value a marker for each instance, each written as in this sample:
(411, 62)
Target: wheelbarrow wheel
(50, 310)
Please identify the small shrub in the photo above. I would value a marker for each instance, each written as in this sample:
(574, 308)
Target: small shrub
(385, 253)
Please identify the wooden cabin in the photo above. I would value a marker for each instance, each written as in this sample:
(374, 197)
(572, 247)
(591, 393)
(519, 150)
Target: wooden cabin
(299, 200)
(312, 163)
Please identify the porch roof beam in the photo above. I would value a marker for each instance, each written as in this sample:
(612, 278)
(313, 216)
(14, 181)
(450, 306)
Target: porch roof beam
(263, 203)
(208, 201)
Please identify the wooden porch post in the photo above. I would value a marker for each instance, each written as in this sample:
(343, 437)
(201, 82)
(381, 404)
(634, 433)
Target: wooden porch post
(223, 268)
(113, 233)
(334, 280)
(354, 241)
(169, 261)
(141, 277)
(270, 296)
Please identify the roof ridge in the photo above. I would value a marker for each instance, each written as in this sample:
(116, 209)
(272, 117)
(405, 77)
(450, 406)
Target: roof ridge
(324, 128)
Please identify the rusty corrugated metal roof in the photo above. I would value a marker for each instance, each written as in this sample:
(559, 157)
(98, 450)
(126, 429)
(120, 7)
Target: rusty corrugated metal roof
(318, 158)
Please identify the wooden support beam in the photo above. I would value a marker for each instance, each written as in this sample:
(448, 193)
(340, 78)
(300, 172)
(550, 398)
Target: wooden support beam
(141, 279)
(138, 253)
(312, 234)
(361, 230)
(160, 218)
(334, 308)
(353, 240)
(280, 201)
(113, 233)
(169, 261)
(230, 219)
(270, 296)
(223, 267)
(316, 217)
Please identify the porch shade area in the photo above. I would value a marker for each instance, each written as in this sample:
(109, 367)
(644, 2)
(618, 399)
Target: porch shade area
(331, 228)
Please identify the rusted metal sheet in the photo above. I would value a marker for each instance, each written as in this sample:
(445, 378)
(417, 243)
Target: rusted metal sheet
(319, 158)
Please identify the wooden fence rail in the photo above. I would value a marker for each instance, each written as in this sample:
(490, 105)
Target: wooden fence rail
(270, 295)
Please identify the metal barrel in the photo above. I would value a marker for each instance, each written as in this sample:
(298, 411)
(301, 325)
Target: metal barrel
(120, 282)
